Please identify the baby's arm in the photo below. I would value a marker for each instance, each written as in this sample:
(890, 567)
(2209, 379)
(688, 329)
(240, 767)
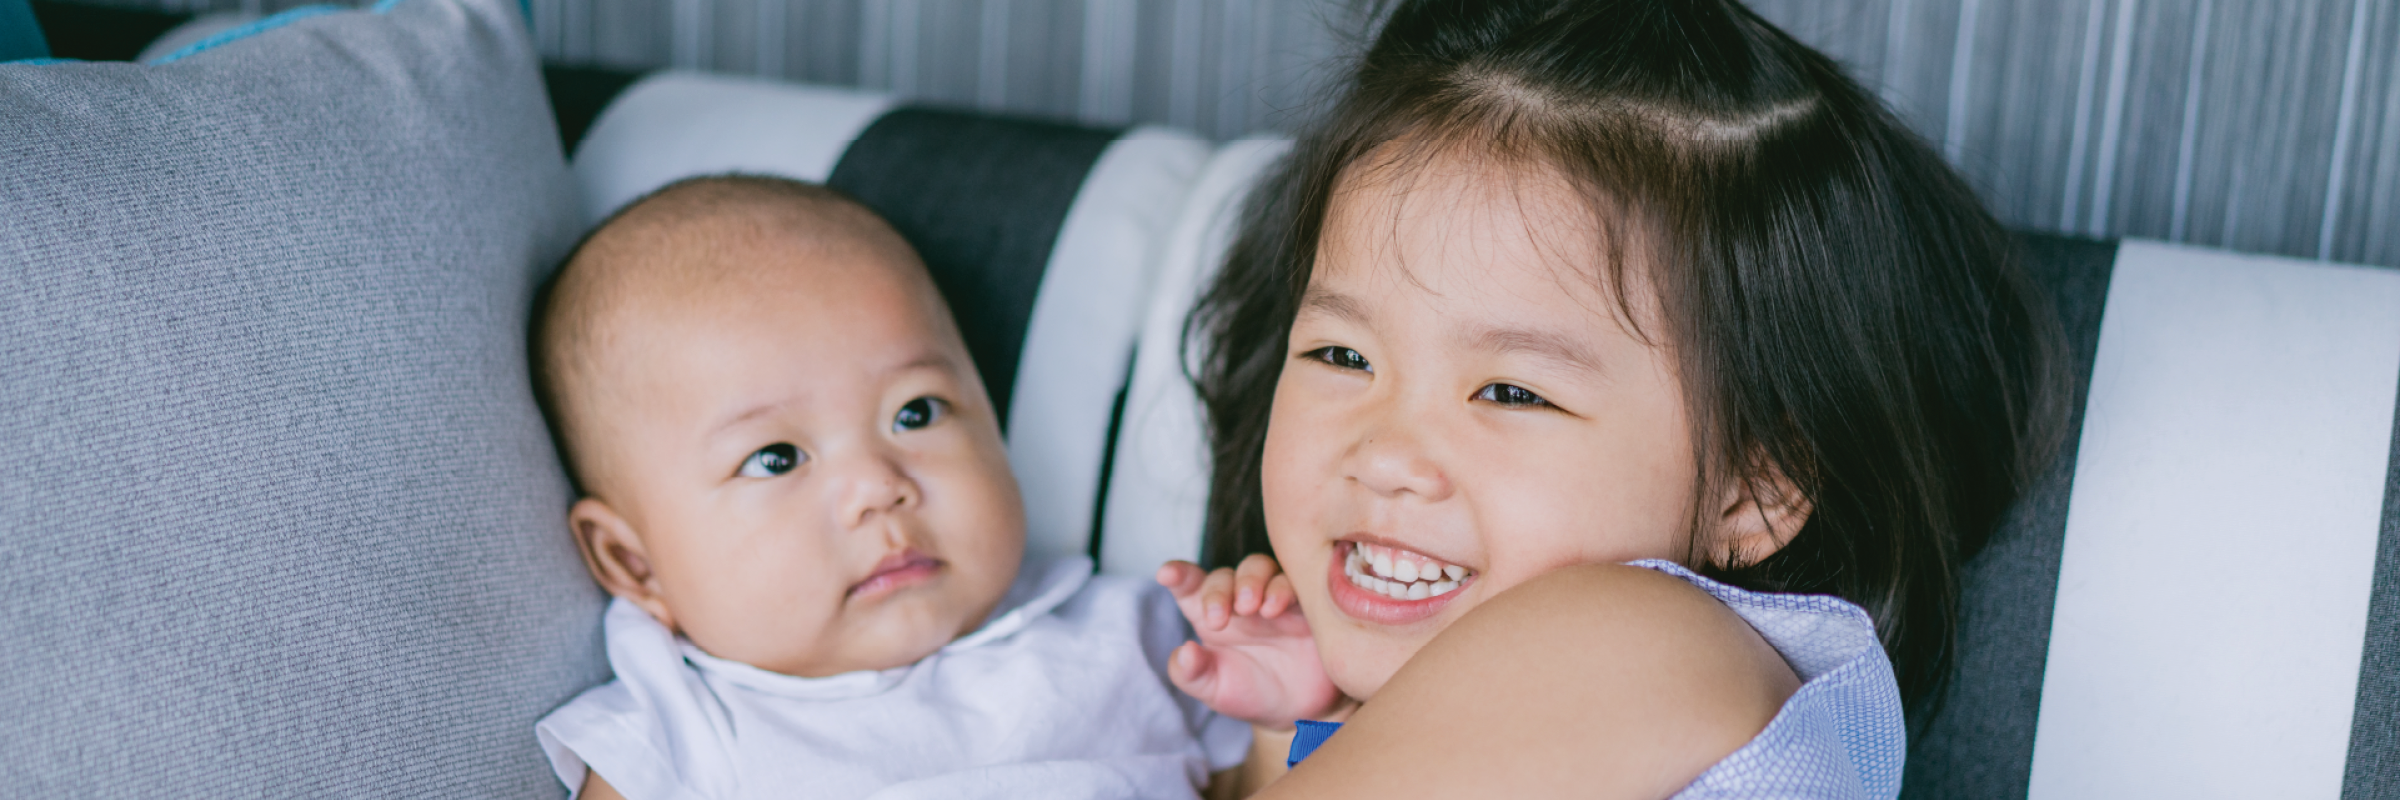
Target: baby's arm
(596, 789)
(1255, 661)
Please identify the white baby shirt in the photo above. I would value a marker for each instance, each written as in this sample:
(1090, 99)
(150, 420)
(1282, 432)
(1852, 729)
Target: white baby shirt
(1063, 693)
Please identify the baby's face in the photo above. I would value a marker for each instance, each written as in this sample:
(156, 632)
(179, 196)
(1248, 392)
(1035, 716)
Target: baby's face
(809, 463)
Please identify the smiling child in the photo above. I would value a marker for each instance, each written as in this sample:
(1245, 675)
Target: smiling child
(1620, 390)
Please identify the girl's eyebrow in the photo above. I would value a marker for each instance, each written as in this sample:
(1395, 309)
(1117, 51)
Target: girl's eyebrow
(1334, 304)
(1541, 344)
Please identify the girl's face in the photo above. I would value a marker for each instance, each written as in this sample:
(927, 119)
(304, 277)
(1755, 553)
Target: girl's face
(1462, 409)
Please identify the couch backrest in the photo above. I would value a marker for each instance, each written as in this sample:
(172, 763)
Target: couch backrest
(2202, 598)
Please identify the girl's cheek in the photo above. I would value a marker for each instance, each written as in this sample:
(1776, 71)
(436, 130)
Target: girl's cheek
(1294, 453)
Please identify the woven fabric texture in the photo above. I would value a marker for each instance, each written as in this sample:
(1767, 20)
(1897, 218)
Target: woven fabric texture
(279, 514)
(2374, 766)
(1977, 740)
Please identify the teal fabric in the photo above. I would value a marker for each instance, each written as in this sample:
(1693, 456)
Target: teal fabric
(255, 28)
(278, 513)
(21, 35)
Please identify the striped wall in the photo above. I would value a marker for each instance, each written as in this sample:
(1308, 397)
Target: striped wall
(2260, 125)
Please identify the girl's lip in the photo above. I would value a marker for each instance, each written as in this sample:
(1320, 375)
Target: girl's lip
(1368, 606)
(895, 572)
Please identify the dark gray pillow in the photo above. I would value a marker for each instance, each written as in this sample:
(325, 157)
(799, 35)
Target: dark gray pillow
(277, 513)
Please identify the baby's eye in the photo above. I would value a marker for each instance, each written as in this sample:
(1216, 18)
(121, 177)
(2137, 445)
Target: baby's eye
(919, 413)
(770, 461)
(1342, 358)
(1509, 396)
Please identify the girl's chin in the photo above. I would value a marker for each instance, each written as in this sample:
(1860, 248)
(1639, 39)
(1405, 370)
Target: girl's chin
(1360, 666)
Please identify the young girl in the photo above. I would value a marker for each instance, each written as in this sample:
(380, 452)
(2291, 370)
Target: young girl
(1609, 379)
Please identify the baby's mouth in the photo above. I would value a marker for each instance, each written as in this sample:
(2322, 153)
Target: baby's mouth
(897, 570)
(1401, 574)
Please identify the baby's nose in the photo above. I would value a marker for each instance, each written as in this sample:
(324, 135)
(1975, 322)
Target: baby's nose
(875, 488)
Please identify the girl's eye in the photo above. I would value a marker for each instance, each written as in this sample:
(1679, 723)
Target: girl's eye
(1510, 396)
(918, 413)
(771, 460)
(1342, 358)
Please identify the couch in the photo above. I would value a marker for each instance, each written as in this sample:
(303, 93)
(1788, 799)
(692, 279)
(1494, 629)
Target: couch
(280, 518)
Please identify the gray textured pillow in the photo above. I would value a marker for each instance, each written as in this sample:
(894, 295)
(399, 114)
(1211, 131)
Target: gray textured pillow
(277, 513)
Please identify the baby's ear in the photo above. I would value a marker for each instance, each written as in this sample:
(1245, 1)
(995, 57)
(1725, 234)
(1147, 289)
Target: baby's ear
(614, 554)
(1759, 515)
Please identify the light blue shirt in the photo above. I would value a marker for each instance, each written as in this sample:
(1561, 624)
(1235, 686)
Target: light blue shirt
(1843, 735)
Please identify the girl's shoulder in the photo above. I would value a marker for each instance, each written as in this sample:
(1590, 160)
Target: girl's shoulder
(1842, 734)
(1640, 680)
(1594, 680)
(1815, 634)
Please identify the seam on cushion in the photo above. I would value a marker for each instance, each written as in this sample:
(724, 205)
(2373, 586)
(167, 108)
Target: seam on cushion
(249, 30)
(37, 62)
(524, 7)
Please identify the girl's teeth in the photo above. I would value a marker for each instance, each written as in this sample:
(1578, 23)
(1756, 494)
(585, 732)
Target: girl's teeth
(1400, 576)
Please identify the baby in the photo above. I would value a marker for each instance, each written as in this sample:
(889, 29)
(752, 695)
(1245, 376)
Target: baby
(794, 486)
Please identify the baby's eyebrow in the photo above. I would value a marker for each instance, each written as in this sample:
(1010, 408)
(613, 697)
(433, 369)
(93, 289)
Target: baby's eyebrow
(1535, 342)
(930, 359)
(751, 413)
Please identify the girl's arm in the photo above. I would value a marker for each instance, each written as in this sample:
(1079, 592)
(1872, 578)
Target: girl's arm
(1265, 763)
(1589, 681)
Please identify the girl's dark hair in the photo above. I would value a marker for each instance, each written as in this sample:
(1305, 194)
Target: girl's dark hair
(1842, 309)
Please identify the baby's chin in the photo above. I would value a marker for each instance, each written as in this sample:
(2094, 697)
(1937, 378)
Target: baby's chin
(905, 636)
(866, 656)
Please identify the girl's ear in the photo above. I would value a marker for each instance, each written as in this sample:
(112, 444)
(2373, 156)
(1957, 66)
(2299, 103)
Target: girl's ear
(1758, 516)
(613, 551)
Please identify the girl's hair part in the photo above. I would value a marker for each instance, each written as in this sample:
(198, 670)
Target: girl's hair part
(1843, 311)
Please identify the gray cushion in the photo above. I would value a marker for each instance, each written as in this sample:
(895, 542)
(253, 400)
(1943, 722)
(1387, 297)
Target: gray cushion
(2019, 716)
(277, 511)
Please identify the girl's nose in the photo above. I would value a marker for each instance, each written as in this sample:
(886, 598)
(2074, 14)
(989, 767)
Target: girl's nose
(873, 486)
(1391, 462)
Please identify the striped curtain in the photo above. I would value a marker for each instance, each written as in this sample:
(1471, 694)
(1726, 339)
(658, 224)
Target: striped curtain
(2259, 125)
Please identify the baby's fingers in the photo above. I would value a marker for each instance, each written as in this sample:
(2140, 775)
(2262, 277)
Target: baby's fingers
(1181, 578)
(1280, 597)
(1216, 599)
(1250, 582)
(1194, 670)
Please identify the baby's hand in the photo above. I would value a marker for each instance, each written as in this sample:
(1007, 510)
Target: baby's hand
(1255, 660)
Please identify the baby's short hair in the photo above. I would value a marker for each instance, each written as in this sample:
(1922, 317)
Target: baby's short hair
(665, 236)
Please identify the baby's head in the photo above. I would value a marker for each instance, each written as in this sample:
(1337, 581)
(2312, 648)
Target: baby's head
(783, 448)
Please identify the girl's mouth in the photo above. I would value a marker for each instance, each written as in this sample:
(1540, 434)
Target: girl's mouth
(895, 572)
(1390, 585)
